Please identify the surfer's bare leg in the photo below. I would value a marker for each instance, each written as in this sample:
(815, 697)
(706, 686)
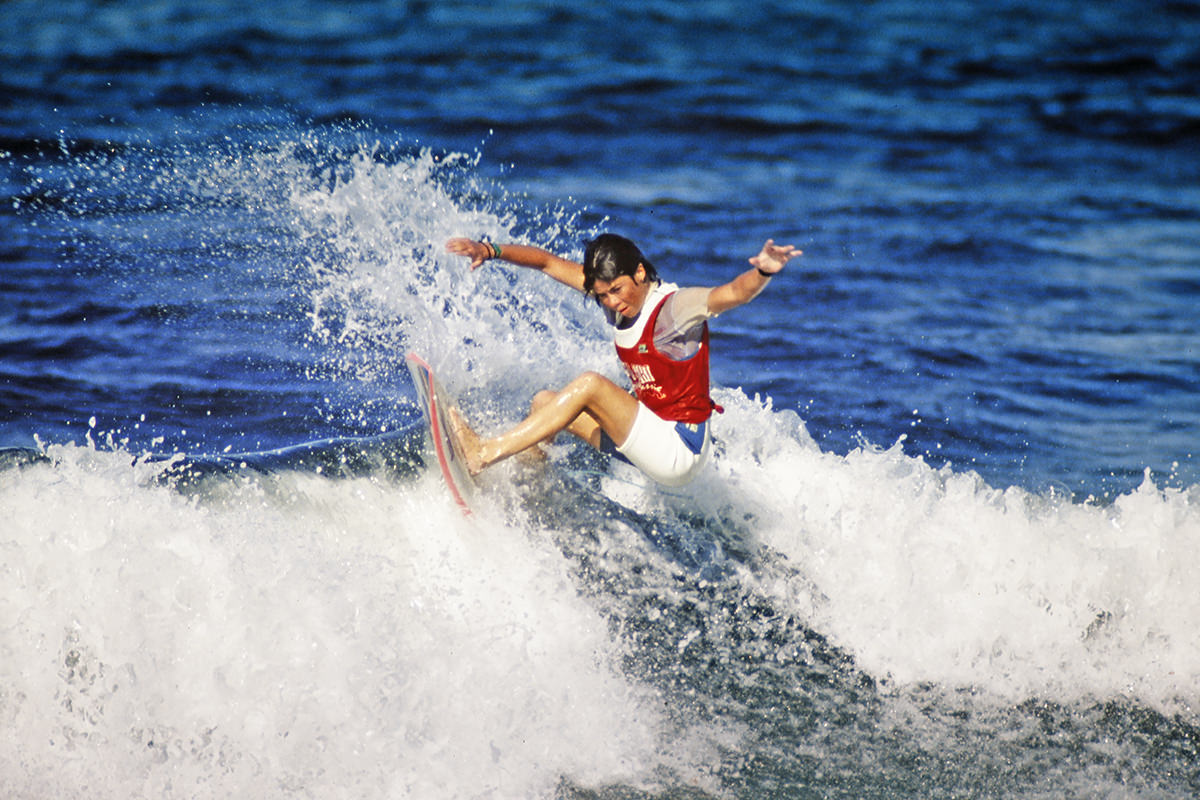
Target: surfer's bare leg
(585, 406)
(585, 426)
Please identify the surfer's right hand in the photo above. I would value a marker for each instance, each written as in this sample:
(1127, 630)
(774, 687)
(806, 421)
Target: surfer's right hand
(478, 252)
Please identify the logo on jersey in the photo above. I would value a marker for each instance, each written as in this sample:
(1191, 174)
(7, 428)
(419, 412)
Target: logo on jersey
(643, 379)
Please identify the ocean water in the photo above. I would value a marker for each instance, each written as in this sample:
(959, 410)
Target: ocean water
(947, 546)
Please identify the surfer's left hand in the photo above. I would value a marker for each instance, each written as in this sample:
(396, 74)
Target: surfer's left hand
(773, 256)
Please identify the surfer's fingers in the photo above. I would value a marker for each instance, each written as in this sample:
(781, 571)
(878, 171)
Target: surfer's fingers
(468, 249)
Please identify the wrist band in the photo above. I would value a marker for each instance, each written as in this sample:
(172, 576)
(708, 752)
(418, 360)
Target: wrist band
(494, 249)
(765, 274)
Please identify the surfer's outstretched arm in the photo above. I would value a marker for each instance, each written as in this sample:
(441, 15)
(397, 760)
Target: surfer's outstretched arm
(561, 269)
(745, 287)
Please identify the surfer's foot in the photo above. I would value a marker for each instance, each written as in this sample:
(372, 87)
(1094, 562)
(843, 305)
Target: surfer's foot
(468, 442)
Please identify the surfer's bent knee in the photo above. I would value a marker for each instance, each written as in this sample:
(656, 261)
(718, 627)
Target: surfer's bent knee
(543, 398)
(589, 382)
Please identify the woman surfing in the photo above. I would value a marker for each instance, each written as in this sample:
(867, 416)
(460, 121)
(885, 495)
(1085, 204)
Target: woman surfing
(661, 336)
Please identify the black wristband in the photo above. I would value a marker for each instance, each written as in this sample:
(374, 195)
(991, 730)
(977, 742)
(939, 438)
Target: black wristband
(765, 274)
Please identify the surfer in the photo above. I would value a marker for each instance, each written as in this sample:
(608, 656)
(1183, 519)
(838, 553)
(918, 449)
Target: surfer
(661, 335)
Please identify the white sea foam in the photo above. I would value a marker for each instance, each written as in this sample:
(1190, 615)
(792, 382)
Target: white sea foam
(294, 636)
(930, 575)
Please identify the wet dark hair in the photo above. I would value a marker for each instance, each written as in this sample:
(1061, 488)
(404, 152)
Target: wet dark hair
(610, 256)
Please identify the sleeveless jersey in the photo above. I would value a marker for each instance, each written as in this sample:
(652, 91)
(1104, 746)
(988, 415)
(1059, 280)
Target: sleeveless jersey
(674, 390)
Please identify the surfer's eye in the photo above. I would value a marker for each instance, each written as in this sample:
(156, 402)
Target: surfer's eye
(614, 289)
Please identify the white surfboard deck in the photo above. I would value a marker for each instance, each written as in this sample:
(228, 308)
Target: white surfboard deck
(435, 403)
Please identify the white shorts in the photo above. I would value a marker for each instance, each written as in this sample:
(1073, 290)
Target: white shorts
(669, 452)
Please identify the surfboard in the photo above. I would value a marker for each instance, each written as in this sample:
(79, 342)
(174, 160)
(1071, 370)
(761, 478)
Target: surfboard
(434, 404)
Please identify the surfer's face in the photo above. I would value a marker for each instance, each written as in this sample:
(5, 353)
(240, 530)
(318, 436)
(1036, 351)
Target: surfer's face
(625, 294)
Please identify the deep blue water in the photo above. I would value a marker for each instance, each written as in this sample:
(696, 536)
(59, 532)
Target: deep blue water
(221, 226)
